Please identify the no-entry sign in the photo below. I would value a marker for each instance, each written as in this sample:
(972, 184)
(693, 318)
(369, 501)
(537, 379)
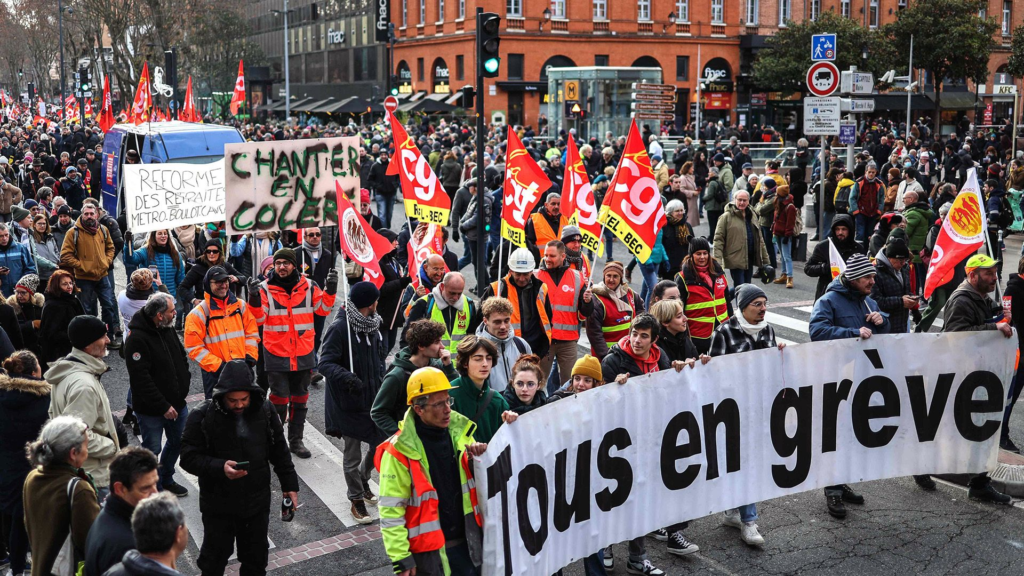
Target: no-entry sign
(391, 103)
(822, 78)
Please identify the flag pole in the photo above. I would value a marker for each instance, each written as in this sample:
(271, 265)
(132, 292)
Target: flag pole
(348, 325)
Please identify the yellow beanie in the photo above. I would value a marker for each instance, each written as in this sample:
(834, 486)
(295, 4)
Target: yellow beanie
(588, 366)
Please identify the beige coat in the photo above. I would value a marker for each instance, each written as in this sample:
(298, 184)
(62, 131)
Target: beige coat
(91, 258)
(731, 240)
(9, 196)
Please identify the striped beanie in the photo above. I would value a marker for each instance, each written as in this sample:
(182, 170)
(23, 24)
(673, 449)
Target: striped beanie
(858, 266)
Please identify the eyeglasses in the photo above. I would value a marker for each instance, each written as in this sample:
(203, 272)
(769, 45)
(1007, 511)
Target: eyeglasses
(759, 304)
(527, 385)
(439, 405)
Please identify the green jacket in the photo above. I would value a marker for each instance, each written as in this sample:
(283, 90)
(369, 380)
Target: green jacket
(391, 402)
(919, 220)
(731, 240)
(725, 177)
(468, 399)
(710, 202)
(396, 492)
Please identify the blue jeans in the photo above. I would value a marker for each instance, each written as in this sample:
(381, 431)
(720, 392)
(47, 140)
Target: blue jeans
(748, 512)
(785, 251)
(865, 226)
(210, 381)
(740, 276)
(91, 289)
(766, 233)
(385, 208)
(113, 310)
(608, 237)
(153, 429)
(469, 254)
(650, 272)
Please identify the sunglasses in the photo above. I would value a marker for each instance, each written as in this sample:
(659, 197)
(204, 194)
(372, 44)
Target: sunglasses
(213, 251)
(313, 234)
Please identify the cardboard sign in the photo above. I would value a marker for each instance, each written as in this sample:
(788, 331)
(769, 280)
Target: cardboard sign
(163, 196)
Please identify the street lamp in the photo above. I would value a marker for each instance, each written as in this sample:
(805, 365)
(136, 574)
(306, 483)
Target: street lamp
(547, 18)
(60, 32)
(671, 22)
(287, 78)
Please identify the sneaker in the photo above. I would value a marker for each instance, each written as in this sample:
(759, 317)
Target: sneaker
(732, 518)
(317, 379)
(176, 489)
(836, 508)
(116, 342)
(299, 449)
(851, 497)
(750, 535)
(368, 496)
(359, 512)
(680, 546)
(609, 559)
(645, 568)
(1008, 445)
(925, 482)
(988, 494)
(661, 535)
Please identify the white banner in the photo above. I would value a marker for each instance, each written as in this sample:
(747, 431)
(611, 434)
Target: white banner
(288, 184)
(162, 196)
(619, 462)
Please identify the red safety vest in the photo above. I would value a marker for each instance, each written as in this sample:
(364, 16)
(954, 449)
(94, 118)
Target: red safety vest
(616, 323)
(703, 309)
(565, 322)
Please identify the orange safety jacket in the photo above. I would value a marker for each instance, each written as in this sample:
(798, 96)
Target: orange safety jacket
(543, 230)
(513, 296)
(565, 321)
(217, 332)
(287, 320)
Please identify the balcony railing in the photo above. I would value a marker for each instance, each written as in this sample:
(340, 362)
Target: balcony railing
(645, 27)
(559, 25)
(517, 24)
(600, 26)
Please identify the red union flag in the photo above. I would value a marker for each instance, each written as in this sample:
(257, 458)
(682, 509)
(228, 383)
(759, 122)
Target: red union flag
(143, 100)
(427, 239)
(238, 97)
(632, 209)
(359, 241)
(106, 114)
(578, 199)
(963, 232)
(524, 184)
(188, 109)
(425, 199)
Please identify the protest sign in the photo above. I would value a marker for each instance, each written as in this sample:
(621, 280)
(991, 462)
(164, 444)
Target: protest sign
(620, 461)
(288, 184)
(163, 196)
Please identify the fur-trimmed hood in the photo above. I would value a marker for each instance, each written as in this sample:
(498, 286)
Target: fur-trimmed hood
(37, 300)
(34, 386)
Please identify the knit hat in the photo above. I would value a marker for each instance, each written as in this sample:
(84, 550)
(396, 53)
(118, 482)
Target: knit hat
(286, 254)
(995, 169)
(29, 282)
(897, 248)
(85, 330)
(70, 170)
(718, 157)
(64, 209)
(747, 293)
(571, 233)
(588, 366)
(616, 267)
(858, 266)
(269, 260)
(746, 166)
(30, 204)
(363, 294)
(768, 183)
(389, 234)
(19, 213)
(364, 196)
(699, 243)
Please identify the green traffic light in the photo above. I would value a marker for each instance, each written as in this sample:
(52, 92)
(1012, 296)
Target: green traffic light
(394, 91)
(491, 65)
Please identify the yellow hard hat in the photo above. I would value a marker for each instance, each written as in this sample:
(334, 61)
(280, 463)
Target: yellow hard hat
(426, 381)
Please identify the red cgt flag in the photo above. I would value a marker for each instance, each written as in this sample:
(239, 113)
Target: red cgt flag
(238, 97)
(359, 241)
(425, 199)
(188, 111)
(427, 239)
(632, 209)
(106, 115)
(963, 232)
(525, 182)
(143, 99)
(578, 199)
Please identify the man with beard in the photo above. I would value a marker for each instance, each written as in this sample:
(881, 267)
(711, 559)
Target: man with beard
(819, 265)
(230, 443)
(159, 378)
(570, 296)
(385, 187)
(546, 225)
(88, 253)
(577, 260)
(448, 305)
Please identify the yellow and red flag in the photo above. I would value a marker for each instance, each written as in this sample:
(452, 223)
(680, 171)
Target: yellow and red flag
(188, 108)
(427, 239)
(143, 99)
(105, 118)
(425, 199)
(238, 97)
(835, 260)
(963, 232)
(578, 199)
(359, 241)
(632, 209)
(525, 182)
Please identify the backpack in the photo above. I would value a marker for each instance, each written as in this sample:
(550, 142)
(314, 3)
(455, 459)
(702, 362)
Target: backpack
(1005, 219)
(720, 195)
(842, 200)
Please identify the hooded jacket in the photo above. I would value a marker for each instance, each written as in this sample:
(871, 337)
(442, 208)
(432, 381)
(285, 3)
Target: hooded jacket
(841, 312)
(509, 350)
(218, 331)
(391, 403)
(350, 390)
(77, 391)
(24, 406)
(135, 564)
(622, 360)
(968, 310)
(16, 258)
(91, 256)
(919, 218)
(818, 265)
(157, 367)
(213, 435)
(469, 400)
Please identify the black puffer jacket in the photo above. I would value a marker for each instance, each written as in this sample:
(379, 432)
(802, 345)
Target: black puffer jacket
(58, 312)
(213, 435)
(110, 537)
(157, 367)
(677, 346)
(350, 391)
(516, 405)
(24, 403)
(818, 265)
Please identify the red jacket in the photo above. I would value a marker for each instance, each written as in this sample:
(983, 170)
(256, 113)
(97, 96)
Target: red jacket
(785, 217)
(287, 321)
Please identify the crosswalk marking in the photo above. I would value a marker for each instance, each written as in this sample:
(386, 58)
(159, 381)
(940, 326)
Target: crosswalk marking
(807, 309)
(787, 322)
(190, 506)
(324, 474)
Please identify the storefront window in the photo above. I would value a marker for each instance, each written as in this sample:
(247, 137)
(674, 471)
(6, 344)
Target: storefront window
(337, 67)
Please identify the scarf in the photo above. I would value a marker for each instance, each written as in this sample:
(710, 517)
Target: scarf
(646, 365)
(361, 324)
(262, 247)
(90, 226)
(187, 239)
(704, 273)
(314, 251)
(424, 279)
(752, 329)
(574, 258)
(618, 296)
(443, 304)
(134, 293)
(682, 232)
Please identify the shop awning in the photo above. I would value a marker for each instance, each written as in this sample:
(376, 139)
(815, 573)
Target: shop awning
(279, 107)
(885, 102)
(312, 105)
(957, 100)
(426, 105)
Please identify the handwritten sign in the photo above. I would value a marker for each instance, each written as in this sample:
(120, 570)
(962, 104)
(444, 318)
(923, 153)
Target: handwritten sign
(288, 184)
(162, 196)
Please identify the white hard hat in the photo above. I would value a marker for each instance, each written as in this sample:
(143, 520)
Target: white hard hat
(521, 260)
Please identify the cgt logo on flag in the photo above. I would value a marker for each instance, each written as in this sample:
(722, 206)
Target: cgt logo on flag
(965, 217)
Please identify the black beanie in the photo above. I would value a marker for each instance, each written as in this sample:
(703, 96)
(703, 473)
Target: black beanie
(286, 254)
(699, 243)
(85, 330)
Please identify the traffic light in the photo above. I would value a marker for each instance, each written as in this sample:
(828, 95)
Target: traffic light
(394, 84)
(488, 25)
(468, 97)
(20, 73)
(84, 80)
(31, 91)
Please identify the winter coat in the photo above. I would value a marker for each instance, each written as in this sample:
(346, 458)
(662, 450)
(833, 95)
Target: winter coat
(1015, 291)
(819, 266)
(391, 403)
(172, 273)
(110, 537)
(509, 350)
(77, 391)
(46, 254)
(677, 346)
(711, 203)
(764, 208)
(841, 312)
(48, 516)
(867, 197)
(620, 360)
(676, 242)
(17, 258)
(731, 240)
(726, 178)
(516, 405)
(135, 564)
(889, 289)
(27, 316)
(91, 257)
(469, 400)
(193, 285)
(785, 217)
(351, 389)
(9, 196)
(58, 312)
(213, 435)
(24, 406)
(731, 338)
(594, 324)
(391, 290)
(381, 182)
(451, 174)
(968, 310)
(158, 371)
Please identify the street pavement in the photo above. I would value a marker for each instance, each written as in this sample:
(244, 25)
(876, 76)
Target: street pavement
(900, 530)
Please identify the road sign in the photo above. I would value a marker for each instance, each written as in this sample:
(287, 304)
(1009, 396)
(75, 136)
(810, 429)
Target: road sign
(857, 105)
(654, 96)
(847, 133)
(640, 86)
(822, 78)
(572, 90)
(391, 103)
(857, 82)
(821, 116)
(654, 116)
(823, 47)
(653, 106)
